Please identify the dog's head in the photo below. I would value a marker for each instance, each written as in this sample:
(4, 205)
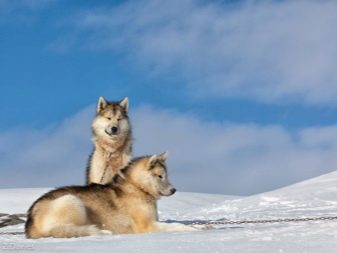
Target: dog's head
(149, 173)
(111, 119)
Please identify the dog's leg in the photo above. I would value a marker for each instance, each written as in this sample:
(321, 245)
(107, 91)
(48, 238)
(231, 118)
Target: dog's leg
(63, 231)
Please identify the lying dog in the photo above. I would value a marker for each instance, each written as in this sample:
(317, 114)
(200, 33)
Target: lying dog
(126, 205)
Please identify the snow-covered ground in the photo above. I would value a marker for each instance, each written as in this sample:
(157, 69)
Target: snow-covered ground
(315, 197)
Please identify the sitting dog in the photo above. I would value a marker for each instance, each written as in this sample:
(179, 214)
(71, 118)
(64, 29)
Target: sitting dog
(112, 138)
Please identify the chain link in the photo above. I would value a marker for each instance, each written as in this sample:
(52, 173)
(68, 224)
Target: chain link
(264, 221)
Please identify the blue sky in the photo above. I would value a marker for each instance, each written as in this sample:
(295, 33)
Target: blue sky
(232, 90)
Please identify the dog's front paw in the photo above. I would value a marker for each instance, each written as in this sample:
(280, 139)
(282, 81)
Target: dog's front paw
(202, 226)
(105, 232)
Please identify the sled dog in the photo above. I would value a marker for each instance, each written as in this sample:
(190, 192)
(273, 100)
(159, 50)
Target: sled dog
(112, 140)
(126, 205)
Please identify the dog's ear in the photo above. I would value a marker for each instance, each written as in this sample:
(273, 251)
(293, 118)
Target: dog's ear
(124, 103)
(102, 103)
(153, 159)
(163, 156)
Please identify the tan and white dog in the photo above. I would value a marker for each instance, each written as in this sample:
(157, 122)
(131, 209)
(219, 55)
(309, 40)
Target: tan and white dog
(112, 138)
(127, 205)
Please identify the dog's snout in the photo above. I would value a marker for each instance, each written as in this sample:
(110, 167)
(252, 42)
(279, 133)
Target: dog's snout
(114, 130)
(173, 190)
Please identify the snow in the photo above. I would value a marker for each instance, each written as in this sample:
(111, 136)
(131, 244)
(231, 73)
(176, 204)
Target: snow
(315, 197)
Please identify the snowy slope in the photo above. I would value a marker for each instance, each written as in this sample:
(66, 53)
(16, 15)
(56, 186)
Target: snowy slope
(315, 197)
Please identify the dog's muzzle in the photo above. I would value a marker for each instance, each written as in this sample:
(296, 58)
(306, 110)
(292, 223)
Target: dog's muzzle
(112, 131)
(169, 192)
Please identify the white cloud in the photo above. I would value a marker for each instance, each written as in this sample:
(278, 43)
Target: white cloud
(234, 158)
(204, 156)
(269, 51)
(52, 156)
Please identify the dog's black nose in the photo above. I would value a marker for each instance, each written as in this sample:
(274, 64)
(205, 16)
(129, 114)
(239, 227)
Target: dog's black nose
(114, 130)
(173, 190)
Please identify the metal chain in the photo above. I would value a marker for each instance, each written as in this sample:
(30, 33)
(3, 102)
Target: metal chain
(264, 221)
(12, 233)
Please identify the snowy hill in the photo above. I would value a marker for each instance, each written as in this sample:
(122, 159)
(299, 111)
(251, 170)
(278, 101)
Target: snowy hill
(315, 197)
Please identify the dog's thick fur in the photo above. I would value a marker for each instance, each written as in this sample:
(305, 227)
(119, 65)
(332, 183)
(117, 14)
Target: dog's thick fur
(127, 205)
(112, 138)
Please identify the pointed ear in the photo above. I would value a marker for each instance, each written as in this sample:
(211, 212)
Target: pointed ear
(125, 104)
(101, 104)
(163, 156)
(152, 160)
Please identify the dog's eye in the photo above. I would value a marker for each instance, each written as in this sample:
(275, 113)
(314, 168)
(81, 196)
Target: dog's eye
(160, 176)
(108, 118)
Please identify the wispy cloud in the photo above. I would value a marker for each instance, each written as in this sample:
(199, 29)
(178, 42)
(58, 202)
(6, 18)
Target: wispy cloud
(21, 10)
(30, 4)
(269, 51)
(204, 156)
